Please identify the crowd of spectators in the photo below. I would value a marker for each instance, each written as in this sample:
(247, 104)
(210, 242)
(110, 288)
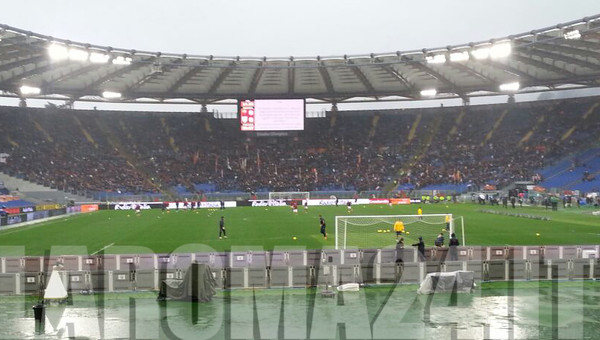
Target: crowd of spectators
(141, 152)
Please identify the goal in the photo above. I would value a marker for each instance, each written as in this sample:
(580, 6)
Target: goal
(378, 231)
(291, 195)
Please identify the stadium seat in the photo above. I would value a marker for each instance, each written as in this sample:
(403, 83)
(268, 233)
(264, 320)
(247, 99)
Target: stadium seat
(326, 275)
(496, 253)
(570, 252)
(32, 264)
(77, 281)
(476, 266)
(332, 256)
(279, 276)
(440, 254)
(477, 253)
(278, 259)
(204, 258)
(534, 253)
(433, 267)
(239, 260)
(589, 251)
(582, 268)
(30, 282)
(301, 276)
(108, 262)
(347, 273)
(410, 273)
(258, 259)
(182, 261)
(596, 269)
(351, 256)
(552, 252)
(122, 280)
(12, 264)
(147, 261)
(146, 279)
(126, 262)
(452, 266)
(463, 253)
(495, 270)
(72, 262)
(299, 258)
(220, 260)
(8, 284)
(388, 255)
(257, 277)
(313, 258)
(99, 280)
(538, 270)
(516, 253)
(518, 269)
(387, 272)
(166, 261)
(236, 277)
(559, 269)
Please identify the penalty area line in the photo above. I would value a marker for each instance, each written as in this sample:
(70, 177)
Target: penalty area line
(105, 247)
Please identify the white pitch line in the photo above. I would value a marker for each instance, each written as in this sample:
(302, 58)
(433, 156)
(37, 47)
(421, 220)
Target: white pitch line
(108, 246)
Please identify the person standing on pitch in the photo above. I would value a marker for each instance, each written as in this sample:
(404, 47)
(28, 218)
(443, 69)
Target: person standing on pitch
(400, 250)
(420, 248)
(323, 225)
(453, 243)
(222, 228)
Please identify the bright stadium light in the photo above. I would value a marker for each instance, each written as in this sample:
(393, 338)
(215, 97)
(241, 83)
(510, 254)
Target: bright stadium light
(436, 59)
(111, 95)
(58, 52)
(481, 53)
(29, 90)
(500, 50)
(572, 35)
(99, 58)
(120, 60)
(76, 54)
(429, 93)
(459, 56)
(510, 87)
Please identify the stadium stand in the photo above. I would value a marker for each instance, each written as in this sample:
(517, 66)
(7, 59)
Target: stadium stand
(117, 153)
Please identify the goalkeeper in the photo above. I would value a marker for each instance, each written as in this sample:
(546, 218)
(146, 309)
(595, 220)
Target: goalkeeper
(398, 228)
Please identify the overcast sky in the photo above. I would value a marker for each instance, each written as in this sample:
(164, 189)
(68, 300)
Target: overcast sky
(282, 27)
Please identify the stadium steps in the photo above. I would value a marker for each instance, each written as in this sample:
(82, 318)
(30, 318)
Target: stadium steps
(457, 122)
(38, 193)
(490, 133)
(117, 144)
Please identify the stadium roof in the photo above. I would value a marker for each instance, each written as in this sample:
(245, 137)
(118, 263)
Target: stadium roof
(564, 56)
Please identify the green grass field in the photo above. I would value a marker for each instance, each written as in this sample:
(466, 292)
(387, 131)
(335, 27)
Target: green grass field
(274, 228)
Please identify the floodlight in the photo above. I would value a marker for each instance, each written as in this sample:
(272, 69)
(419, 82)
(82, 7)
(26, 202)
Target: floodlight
(459, 56)
(99, 58)
(436, 59)
(29, 90)
(429, 93)
(500, 50)
(120, 60)
(58, 52)
(508, 87)
(481, 53)
(76, 54)
(572, 35)
(111, 95)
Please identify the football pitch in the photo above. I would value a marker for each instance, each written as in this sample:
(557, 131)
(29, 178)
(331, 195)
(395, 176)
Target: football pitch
(277, 228)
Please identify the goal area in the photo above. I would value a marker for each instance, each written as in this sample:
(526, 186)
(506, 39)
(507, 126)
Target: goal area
(378, 231)
(291, 195)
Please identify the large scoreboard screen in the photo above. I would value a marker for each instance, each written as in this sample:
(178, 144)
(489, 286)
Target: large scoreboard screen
(271, 114)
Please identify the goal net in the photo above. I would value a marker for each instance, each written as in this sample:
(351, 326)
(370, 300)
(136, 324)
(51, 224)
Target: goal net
(378, 231)
(292, 195)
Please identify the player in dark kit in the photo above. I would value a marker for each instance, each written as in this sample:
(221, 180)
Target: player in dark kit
(222, 228)
(323, 225)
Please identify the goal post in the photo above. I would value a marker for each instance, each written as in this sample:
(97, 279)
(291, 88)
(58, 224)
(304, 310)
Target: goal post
(378, 231)
(289, 195)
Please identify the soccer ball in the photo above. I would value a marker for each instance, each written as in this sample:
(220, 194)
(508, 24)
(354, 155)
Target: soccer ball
(387, 231)
(537, 234)
(379, 231)
(408, 233)
(294, 238)
(444, 230)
